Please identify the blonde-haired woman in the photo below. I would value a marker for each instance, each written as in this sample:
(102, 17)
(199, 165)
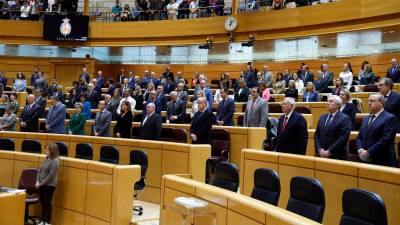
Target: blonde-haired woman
(47, 181)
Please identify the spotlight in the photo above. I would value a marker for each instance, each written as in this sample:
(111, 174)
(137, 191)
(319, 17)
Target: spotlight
(208, 45)
(250, 43)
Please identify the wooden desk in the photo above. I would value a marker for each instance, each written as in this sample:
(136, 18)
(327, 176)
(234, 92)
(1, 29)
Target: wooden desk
(12, 208)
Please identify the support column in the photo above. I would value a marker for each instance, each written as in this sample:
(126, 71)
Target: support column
(86, 7)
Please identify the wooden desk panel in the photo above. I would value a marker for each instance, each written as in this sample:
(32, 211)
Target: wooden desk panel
(12, 208)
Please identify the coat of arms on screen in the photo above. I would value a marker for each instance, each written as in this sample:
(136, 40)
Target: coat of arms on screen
(65, 28)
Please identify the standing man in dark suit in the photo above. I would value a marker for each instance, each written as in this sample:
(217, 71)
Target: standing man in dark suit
(3, 79)
(182, 94)
(100, 81)
(102, 121)
(176, 109)
(200, 128)
(29, 119)
(150, 128)
(392, 102)
(56, 116)
(226, 109)
(375, 140)
(306, 75)
(121, 76)
(168, 73)
(41, 102)
(84, 75)
(256, 113)
(325, 78)
(93, 96)
(292, 136)
(394, 71)
(333, 131)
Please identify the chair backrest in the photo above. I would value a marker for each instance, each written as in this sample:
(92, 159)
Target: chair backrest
(353, 154)
(357, 123)
(135, 132)
(188, 119)
(167, 134)
(271, 99)
(226, 176)
(371, 88)
(7, 144)
(180, 135)
(275, 108)
(240, 121)
(27, 180)
(357, 102)
(267, 186)
(220, 141)
(62, 148)
(31, 146)
(84, 151)
(139, 157)
(109, 154)
(303, 109)
(307, 198)
(362, 208)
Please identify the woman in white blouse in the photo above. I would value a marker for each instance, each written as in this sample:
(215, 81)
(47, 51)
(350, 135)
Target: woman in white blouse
(347, 75)
(299, 83)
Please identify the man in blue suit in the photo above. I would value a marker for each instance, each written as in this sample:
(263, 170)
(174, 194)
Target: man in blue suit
(292, 135)
(394, 71)
(333, 131)
(392, 103)
(375, 140)
(56, 116)
(3, 79)
(226, 109)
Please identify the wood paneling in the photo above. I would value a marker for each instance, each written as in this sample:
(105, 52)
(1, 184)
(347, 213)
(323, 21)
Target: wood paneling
(325, 18)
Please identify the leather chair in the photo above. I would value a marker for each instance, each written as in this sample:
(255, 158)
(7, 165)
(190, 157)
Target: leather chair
(27, 182)
(109, 154)
(267, 186)
(271, 99)
(362, 208)
(226, 176)
(84, 151)
(31, 146)
(302, 109)
(353, 153)
(307, 198)
(240, 121)
(167, 134)
(188, 119)
(136, 132)
(275, 108)
(62, 149)
(7, 144)
(357, 123)
(139, 157)
(138, 118)
(220, 145)
(180, 135)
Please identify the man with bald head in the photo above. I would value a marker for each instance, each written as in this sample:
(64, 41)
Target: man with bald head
(394, 71)
(176, 109)
(29, 119)
(182, 94)
(150, 128)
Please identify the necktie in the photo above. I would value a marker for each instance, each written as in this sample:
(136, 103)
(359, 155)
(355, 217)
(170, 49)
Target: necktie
(393, 70)
(100, 115)
(371, 119)
(252, 105)
(329, 120)
(285, 123)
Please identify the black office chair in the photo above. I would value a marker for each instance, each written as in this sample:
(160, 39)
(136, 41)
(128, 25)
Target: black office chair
(27, 182)
(226, 176)
(307, 198)
(62, 149)
(109, 154)
(139, 157)
(84, 151)
(362, 208)
(31, 146)
(7, 144)
(267, 186)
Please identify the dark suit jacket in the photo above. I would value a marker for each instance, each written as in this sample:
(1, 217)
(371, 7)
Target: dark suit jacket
(244, 95)
(392, 105)
(334, 137)
(168, 88)
(56, 117)
(3, 80)
(293, 93)
(378, 138)
(295, 136)
(395, 76)
(201, 127)
(177, 109)
(307, 77)
(31, 118)
(124, 125)
(225, 111)
(93, 98)
(42, 106)
(350, 110)
(151, 130)
(322, 84)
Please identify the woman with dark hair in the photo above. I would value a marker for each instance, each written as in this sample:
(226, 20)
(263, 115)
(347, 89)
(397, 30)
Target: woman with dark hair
(225, 81)
(292, 91)
(13, 103)
(362, 69)
(279, 84)
(367, 77)
(138, 96)
(47, 180)
(73, 98)
(20, 83)
(347, 75)
(264, 91)
(338, 86)
(123, 128)
(114, 103)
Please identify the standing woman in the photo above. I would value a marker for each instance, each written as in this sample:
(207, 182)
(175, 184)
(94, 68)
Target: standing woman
(123, 128)
(338, 86)
(77, 122)
(20, 83)
(47, 180)
(347, 107)
(310, 95)
(347, 75)
(264, 91)
(114, 103)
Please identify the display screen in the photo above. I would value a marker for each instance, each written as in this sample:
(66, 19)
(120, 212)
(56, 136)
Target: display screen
(65, 28)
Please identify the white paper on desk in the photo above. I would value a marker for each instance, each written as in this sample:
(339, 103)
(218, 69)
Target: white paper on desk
(190, 203)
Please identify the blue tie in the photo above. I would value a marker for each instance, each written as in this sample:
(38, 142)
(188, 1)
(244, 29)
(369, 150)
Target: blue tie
(329, 120)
